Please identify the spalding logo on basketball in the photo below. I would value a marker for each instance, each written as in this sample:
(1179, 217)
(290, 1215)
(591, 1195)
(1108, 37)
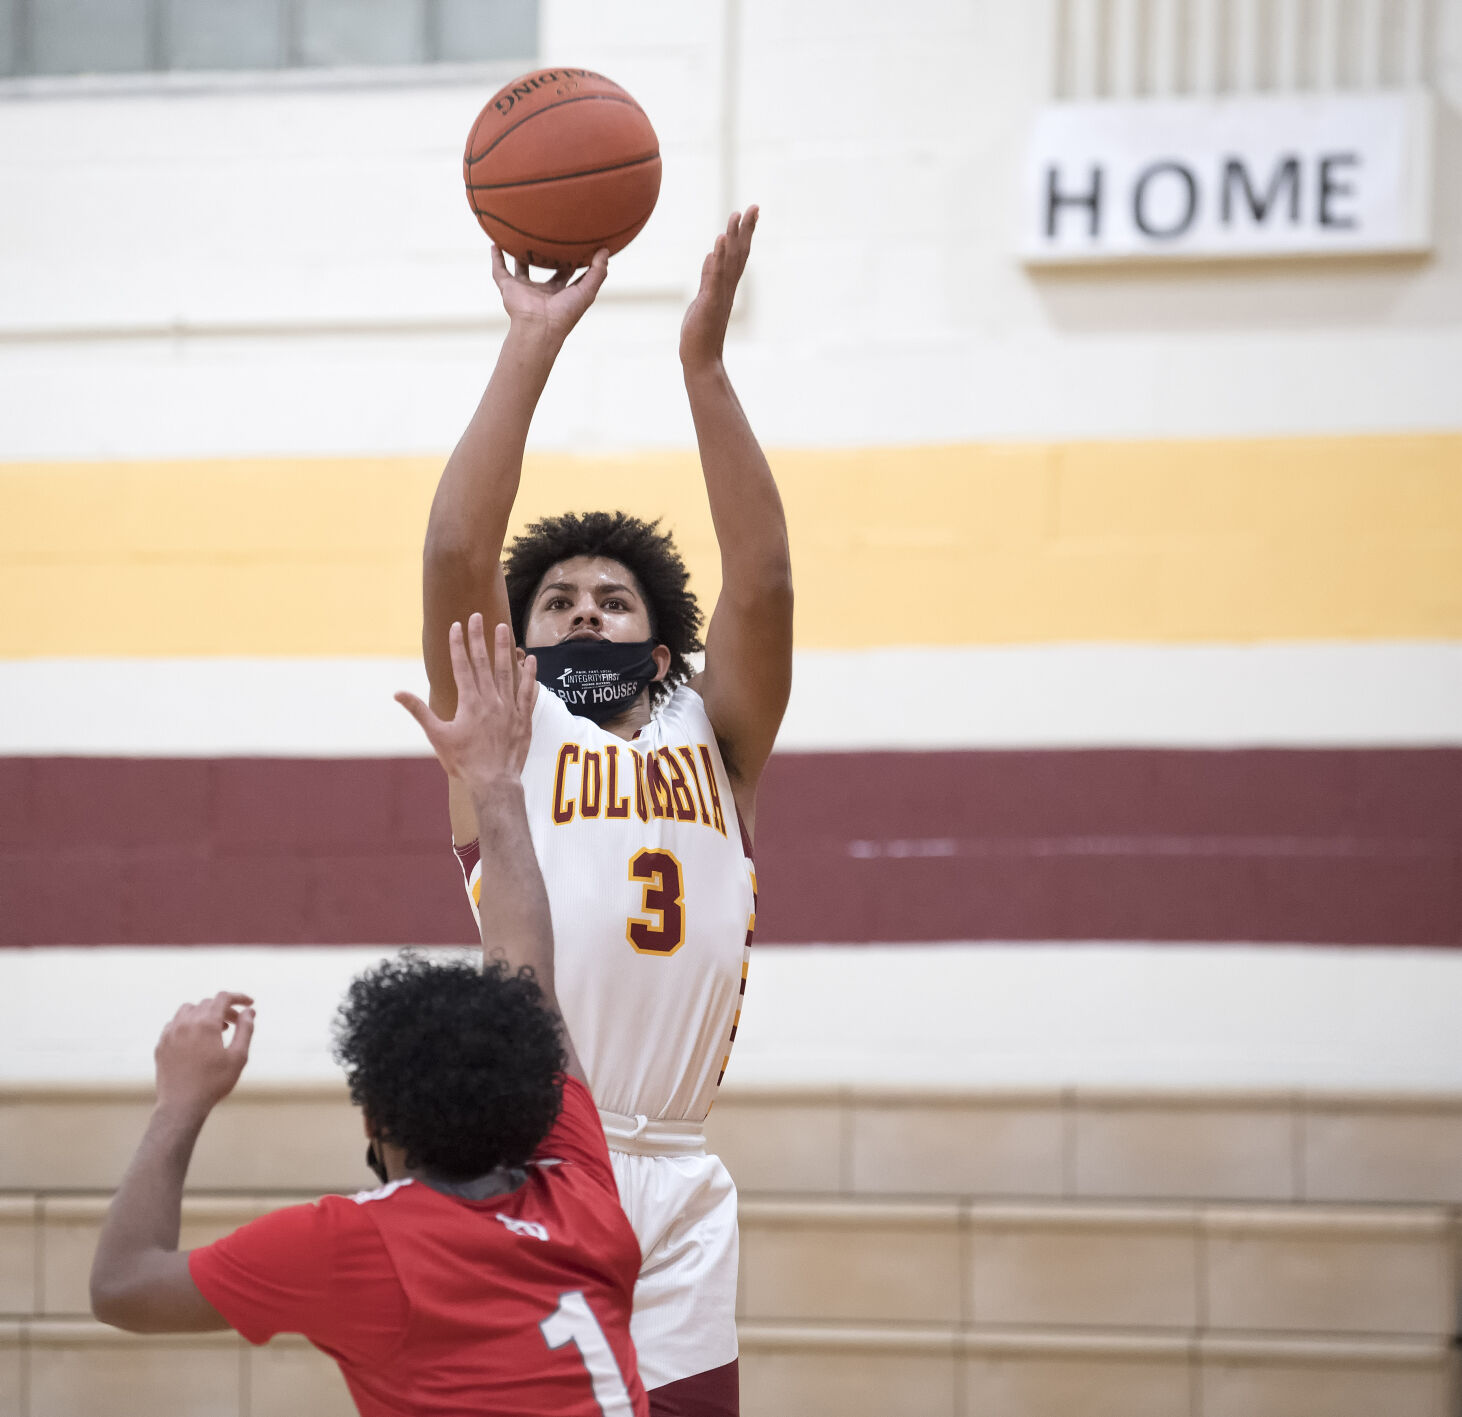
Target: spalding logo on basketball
(559, 163)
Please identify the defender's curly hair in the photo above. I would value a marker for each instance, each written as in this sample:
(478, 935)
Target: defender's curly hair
(647, 552)
(460, 1066)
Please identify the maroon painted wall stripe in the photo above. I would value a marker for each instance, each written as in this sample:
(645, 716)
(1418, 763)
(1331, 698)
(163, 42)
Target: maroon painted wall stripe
(1356, 846)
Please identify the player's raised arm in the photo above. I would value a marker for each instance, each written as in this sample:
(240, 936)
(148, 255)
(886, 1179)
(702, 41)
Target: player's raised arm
(483, 748)
(461, 560)
(139, 1278)
(748, 672)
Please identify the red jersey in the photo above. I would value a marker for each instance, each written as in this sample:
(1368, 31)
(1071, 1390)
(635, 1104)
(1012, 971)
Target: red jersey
(434, 1305)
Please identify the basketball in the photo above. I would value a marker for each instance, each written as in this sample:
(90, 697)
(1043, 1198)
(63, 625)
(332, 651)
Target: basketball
(559, 163)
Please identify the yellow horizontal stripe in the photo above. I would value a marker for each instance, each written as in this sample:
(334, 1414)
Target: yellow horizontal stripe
(1357, 538)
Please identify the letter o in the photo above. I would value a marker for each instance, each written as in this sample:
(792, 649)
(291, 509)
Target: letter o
(1139, 196)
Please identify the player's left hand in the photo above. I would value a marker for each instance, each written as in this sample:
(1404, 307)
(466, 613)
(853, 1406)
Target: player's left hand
(703, 331)
(196, 1070)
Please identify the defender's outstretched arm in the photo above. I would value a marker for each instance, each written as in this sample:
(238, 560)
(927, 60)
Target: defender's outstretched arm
(748, 671)
(462, 557)
(483, 748)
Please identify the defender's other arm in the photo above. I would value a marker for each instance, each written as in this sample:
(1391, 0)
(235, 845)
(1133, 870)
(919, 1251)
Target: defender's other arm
(139, 1278)
(748, 671)
(483, 748)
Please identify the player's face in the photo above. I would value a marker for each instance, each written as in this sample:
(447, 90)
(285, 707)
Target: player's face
(587, 598)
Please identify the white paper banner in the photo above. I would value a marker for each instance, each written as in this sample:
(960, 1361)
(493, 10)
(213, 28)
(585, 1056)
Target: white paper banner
(1232, 177)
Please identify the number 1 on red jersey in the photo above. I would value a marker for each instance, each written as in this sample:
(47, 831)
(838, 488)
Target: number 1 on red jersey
(574, 1322)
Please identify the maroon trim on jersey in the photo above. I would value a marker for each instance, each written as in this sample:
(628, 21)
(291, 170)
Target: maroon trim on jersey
(469, 856)
(715, 1393)
(1330, 846)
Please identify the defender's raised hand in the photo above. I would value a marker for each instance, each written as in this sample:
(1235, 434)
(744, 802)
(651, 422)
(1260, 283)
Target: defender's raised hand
(196, 1070)
(553, 306)
(486, 742)
(703, 331)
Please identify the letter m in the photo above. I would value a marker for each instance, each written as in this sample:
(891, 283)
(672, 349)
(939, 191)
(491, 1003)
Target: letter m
(1285, 180)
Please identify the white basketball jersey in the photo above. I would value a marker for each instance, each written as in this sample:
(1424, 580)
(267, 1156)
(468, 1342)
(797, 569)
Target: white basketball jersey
(653, 898)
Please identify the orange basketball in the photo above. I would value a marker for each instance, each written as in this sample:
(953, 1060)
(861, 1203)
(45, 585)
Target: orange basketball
(559, 163)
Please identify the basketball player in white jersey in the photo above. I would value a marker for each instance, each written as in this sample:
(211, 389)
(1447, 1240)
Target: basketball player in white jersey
(641, 783)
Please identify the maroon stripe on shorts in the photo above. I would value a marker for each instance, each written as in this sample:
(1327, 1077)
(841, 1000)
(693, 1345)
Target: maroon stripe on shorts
(1342, 846)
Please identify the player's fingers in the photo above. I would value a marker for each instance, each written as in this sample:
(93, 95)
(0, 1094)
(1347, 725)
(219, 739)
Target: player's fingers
(222, 1008)
(528, 686)
(461, 665)
(733, 224)
(594, 273)
(477, 649)
(499, 265)
(419, 711)
(504, 663)
(238, 1045)
(748, 230)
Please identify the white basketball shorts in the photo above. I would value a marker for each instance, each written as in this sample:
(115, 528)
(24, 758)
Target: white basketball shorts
(681, 1203)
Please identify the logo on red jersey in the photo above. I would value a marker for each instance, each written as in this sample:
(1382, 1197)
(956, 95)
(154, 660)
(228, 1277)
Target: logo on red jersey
(524, 1227)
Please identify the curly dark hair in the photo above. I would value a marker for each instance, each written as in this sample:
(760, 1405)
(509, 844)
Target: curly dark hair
(459, 1065)
(648, 554)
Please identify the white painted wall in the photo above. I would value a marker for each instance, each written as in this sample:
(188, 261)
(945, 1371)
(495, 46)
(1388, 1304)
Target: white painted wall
(926, 1016)
(293, 269)
(1022, 696)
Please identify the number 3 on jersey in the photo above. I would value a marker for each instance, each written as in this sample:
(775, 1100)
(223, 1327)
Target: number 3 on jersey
(657, 872)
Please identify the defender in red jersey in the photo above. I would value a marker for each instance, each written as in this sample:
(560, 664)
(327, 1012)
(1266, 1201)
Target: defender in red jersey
(493, 1270)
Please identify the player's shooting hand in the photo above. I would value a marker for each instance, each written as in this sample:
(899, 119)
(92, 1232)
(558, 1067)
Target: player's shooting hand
(195, 1068)
(703, 331)
(486, 743)
(553, 306)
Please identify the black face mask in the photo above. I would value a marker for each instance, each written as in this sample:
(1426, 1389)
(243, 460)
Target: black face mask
(373, 1160)
(597, 679)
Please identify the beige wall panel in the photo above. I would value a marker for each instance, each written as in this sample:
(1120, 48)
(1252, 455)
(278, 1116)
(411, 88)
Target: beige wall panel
(289, 1377)
(977, 1148)
(1235, 1386)
(1341, 1277)
(1411, 1153)
(823, 1382)
(1054, 1385)
(80, 1143)
(1139, 1271)
(779, 1146)
(71, 1228)
(278, 1141)
(82, 1369)
(1189, 1149)
(12, 1368)
(264, 1140)
(18, 1246)
(856, 1267)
